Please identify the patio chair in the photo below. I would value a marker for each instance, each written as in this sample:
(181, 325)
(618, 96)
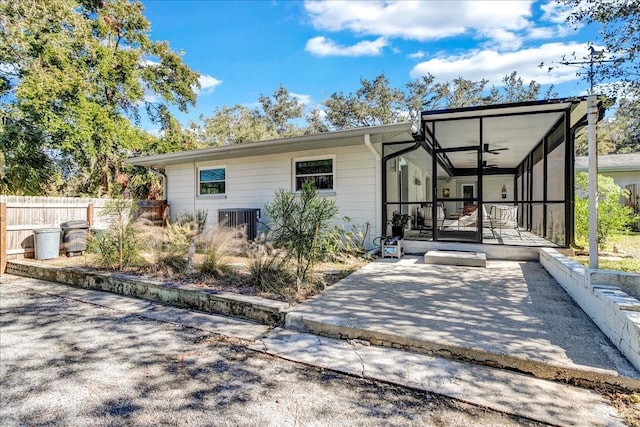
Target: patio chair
(470, 217)
(424, 221)
(503, 217)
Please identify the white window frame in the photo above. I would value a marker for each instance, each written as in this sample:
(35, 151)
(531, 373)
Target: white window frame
(217, 195)
(294, 176)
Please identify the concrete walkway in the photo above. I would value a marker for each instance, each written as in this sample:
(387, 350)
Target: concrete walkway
(510, 314)
(508, 392)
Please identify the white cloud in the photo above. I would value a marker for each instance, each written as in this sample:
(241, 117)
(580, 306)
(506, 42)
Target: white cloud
(148, 62)
(155, 132)
(421, 21)
(555, 12)
(417, 55)
(493, 65)
(208, 83)
(302, 98)
(323, 46)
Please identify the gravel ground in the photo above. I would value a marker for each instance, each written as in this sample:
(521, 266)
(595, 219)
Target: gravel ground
(66, 362)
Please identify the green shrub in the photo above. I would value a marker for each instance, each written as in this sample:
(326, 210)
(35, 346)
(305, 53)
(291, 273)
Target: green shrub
(195, 223)
(344, 239)
(613, 216)
(119, 246)
(115, 249)
(299, 225)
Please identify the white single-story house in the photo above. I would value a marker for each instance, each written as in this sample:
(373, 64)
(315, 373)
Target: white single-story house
(499, 174)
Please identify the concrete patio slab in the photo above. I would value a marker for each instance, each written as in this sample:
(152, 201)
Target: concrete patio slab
(510, 314)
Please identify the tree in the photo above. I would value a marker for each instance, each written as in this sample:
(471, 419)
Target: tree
(616, 135)
(375, 103)
(619, 68)
(315, 122)
(279, 109)
(620, 33)
(421, 95)
(25, 169)
(238, 124)
(613, 216)
(513, 89)
(232, 125)
(82, 72)
(462, 93)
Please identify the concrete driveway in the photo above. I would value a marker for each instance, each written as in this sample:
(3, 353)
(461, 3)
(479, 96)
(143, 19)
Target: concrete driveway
(509, 314)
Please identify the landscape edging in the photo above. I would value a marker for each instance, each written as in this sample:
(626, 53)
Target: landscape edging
(261, 310)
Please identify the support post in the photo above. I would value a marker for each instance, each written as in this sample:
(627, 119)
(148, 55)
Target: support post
(90, 214)
(592, 117)
(3, 237)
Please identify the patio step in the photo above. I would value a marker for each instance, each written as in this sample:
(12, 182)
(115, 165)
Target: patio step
(462, 258)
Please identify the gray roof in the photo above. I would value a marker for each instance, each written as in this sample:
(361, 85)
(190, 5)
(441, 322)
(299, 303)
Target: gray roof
(399, 132)
(611, 162)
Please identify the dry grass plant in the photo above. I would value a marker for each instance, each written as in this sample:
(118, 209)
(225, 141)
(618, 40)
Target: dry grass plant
(269, 270)
(219, 245)
(168, 246)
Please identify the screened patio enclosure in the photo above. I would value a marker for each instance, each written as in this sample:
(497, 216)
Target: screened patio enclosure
(498, 174)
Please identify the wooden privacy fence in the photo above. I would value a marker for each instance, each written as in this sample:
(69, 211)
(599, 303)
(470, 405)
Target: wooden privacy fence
(20, 215)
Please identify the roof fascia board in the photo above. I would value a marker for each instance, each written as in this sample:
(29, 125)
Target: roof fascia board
(246, 149)
(528, 107)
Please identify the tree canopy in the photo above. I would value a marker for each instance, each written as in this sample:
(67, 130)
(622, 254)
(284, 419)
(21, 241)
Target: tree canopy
(81, 79)
(77, 78)
(617, 70)
(375, 103)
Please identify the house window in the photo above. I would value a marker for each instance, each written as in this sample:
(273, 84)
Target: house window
(211, 181)
(317, 171)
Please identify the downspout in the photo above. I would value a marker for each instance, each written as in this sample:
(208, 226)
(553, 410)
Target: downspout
(163, 177)
(378, 181)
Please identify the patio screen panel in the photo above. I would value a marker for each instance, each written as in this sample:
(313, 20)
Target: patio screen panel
(537, 183)
(555, 173)
(555, 223)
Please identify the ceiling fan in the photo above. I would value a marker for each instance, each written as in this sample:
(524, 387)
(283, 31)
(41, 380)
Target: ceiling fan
(486, 165)
(489, 150)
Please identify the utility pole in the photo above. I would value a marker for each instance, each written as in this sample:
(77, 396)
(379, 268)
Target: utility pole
(592, 119)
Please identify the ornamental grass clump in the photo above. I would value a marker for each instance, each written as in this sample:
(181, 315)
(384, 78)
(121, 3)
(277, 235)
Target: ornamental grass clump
(220, 245)
(168, 246)
(268, 269)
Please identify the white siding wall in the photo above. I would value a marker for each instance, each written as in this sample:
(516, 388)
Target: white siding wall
(181, 188)
(252, 181)
(623, 178)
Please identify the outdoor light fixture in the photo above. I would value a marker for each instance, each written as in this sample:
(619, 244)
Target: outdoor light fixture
(504, 191)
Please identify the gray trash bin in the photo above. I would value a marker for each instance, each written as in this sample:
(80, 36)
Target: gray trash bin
(46, 243)
(74, 236)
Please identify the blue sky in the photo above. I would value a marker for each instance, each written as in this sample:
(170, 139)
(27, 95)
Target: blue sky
(243, 49)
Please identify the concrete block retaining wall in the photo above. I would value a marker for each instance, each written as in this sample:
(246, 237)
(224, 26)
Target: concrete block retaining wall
(261, 310)
(603, 296)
